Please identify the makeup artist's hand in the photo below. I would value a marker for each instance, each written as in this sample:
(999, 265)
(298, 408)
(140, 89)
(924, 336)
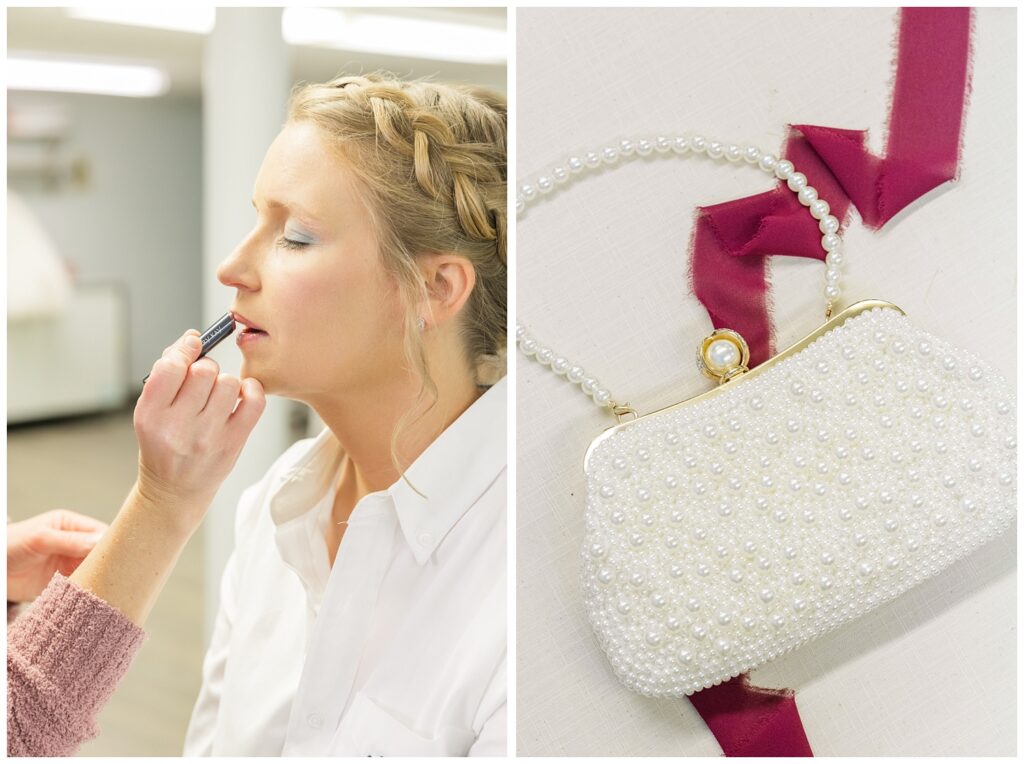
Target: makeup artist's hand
(190, 433)
(38, 547)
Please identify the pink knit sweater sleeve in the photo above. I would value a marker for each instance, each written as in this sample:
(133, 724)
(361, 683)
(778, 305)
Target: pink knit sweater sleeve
(65, 655)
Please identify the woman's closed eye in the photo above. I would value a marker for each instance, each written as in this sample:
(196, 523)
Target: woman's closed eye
(287, 243)
(292, 239)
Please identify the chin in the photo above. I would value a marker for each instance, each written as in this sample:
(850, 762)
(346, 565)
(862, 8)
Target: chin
(267, 380)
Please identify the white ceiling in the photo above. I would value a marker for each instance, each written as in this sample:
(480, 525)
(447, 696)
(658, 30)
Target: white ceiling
(52, 31)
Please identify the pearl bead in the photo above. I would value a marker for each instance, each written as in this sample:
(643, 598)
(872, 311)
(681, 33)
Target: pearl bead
(796, 181)
(835, 259)
(722, 354)
(783, 169)
(828, 224)
(768, 162)
(807, 195)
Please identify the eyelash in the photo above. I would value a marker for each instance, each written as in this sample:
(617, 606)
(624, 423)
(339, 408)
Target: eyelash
(287, 243)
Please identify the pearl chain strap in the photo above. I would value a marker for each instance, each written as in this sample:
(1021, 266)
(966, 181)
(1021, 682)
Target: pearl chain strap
(726, 353)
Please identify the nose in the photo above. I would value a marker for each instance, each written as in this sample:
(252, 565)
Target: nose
(240, 269)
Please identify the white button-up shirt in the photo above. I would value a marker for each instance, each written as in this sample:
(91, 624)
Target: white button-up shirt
(400, 648)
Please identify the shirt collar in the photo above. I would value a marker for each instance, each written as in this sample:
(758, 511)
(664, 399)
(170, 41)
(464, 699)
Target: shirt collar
(451, 474)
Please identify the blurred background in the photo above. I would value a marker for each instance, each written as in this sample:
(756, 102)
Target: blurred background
(134, 137)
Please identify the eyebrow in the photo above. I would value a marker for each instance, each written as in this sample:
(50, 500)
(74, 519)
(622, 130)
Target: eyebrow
(292, 206)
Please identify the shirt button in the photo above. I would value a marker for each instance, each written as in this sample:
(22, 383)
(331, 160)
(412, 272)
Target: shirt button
(315, 721)
(425, 539)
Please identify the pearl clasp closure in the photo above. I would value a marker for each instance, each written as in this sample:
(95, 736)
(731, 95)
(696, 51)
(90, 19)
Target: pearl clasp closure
(723, 355)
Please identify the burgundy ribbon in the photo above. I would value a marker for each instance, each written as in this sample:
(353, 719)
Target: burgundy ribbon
(752, 721)
(731, 242)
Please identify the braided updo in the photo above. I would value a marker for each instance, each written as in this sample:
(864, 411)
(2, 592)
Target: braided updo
(432, 161)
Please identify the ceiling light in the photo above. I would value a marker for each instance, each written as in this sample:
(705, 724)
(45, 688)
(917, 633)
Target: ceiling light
(198, 20)
(368, 32)
(80, 76)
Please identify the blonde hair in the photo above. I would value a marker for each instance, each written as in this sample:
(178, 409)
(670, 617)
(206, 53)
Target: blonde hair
(431, 158)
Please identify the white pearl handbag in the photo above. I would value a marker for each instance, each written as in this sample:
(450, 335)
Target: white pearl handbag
(726, 530)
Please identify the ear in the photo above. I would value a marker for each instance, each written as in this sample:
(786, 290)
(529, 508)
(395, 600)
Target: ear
(450, 279)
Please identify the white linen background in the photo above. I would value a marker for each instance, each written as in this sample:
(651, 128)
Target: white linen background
(602, 278)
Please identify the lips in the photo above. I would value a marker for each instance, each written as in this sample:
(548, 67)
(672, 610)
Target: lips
(248, 325)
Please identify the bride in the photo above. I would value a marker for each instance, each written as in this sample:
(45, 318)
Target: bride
(363, 608)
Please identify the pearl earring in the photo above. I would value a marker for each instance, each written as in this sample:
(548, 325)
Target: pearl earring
(421, 323)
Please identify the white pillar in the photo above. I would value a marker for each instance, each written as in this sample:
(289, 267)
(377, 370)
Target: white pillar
(246, 81)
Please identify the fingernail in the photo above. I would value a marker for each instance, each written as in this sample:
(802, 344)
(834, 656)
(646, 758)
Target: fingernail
(94, 539)
(193, 342)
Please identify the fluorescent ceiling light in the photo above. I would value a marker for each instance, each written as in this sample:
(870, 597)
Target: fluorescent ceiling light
(71, 76)
(359, 30)
(367, 32)
(198, 19)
